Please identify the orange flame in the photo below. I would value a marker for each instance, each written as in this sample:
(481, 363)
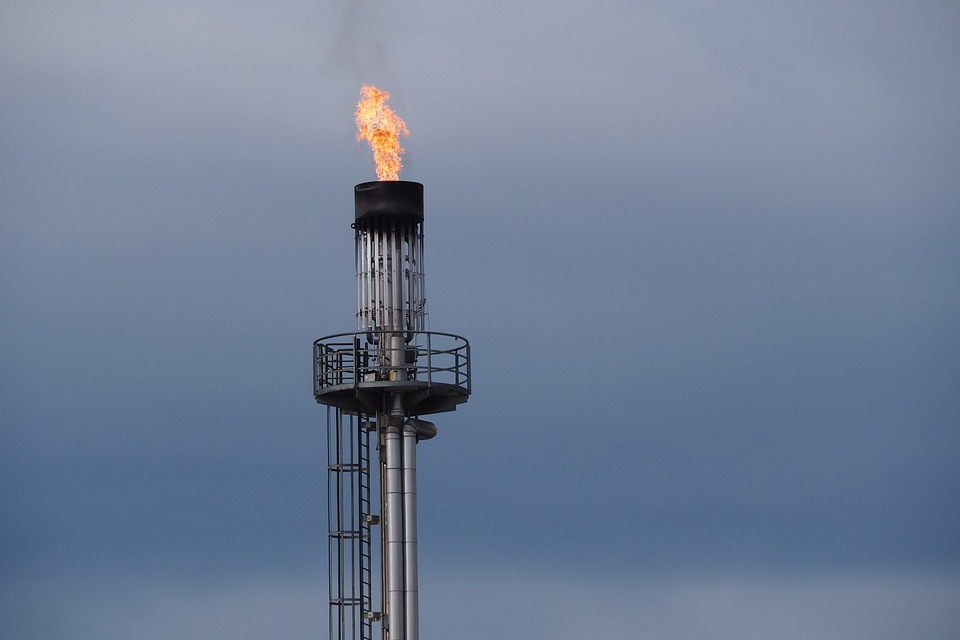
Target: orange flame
(380, 126)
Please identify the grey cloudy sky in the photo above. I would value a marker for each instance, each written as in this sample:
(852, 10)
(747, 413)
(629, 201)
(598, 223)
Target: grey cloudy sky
(706, 254)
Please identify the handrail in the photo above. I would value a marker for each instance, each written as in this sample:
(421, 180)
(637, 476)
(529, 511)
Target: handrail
(425, 358)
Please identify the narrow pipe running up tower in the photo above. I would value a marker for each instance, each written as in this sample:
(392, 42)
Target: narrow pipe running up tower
(379, 380)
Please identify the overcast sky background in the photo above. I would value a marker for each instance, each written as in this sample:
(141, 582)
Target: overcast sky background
(707, 255)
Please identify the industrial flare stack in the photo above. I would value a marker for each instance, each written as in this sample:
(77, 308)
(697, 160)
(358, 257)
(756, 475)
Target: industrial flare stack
(376, 383)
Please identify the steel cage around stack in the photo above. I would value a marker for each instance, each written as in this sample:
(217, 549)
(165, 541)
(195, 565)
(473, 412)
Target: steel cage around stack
(391, 295)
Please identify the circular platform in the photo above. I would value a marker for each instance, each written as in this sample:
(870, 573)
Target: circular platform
(430, 371)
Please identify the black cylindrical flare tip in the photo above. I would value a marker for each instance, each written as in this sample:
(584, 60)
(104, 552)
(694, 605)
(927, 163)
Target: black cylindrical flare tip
(389, 198)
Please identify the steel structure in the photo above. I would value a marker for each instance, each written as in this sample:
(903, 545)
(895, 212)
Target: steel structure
(376, 383)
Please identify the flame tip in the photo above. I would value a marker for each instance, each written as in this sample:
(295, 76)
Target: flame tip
(381, 127)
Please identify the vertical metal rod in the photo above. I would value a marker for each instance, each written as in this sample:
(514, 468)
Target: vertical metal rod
(376, 292)
(369, 293)
(372, 295)
(371, 290)
(391, 275)
(382, 296)
(397, 278)
(383, 266)
(340, 528)
(394, 522)
(411, 590)
(330, 543)
(407, 281)
(418, 278)
(352, 519)
(358, 261)
(361, 252)
(384, 563)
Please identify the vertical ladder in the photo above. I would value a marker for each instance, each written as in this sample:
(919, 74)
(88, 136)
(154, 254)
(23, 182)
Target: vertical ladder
(344, 525)
(350, 519)
(367, 520)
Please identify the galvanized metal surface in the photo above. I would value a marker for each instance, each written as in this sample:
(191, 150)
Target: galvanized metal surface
(393, 531)
(391, 293)
(411, 587)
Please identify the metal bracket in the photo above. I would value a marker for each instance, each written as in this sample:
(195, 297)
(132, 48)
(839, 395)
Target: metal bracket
(371, 519)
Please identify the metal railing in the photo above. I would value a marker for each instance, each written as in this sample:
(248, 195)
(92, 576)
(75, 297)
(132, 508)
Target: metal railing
(423, 358)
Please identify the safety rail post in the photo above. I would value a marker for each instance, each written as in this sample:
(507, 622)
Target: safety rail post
(429, 360)
(356, 360)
